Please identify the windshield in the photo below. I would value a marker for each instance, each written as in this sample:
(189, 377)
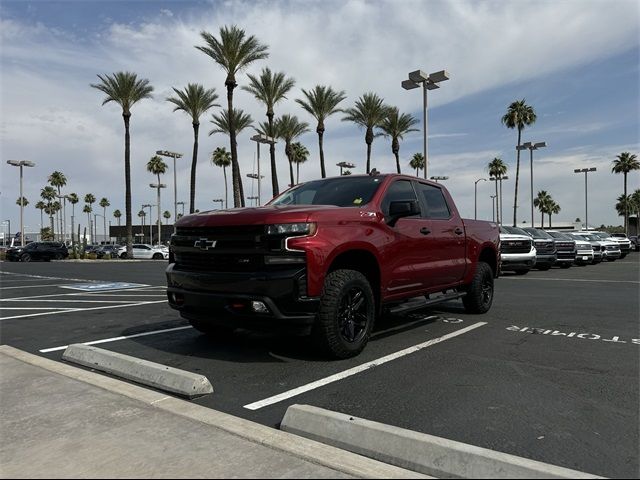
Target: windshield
(341, 192)
(601, 235)
(558, 235)
(514, 231)
(535, 233)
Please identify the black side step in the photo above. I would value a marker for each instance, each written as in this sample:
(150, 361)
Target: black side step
(412, 305)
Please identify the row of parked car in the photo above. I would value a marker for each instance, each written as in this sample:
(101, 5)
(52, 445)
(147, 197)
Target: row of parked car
(522, 249)
(47, 251)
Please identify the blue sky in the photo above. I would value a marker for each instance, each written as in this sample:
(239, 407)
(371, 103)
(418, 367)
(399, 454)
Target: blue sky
(575, 62)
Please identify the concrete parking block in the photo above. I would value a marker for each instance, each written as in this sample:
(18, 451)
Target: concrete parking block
(415, 451)
(152, 374)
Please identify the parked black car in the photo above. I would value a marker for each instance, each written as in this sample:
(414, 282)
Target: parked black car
(546, 253)
(34, 251)
(107, 251)
(635, 243)
(566, 248)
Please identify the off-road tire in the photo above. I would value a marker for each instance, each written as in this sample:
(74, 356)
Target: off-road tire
(336, 319)
(479, 295)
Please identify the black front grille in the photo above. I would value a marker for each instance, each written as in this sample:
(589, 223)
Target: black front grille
(515, 246)
(566, 254)
(545, 247)
(219, 263)
(566, 246)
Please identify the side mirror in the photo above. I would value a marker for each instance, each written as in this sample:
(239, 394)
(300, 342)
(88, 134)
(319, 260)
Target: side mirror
(398, 210)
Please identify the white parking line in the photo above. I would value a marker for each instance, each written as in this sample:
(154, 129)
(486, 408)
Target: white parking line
(71, 300)
(572, 280)
(115, 339)
(35, 308)
(83, 309)
(358, 369)
(35, 286)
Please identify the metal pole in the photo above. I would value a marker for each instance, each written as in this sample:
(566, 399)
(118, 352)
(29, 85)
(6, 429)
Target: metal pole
(425, 130)
(475, 201)
(175, 195)
(259, 197)
(21, 208)
(500, 204)
(586, 208)
(493, 207)
(531, 167)
(159, 221)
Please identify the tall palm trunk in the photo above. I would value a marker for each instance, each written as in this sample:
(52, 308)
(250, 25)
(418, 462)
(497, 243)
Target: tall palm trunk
(515, 199)
(127, 181)
(272, 153)
(320, 131)
(626, 206)
(298, 174)
(236, 180)
(287, 151)
(497, 203)
(369, 139)
(395, 148)
(159, 218)
(194, 161)
(541, 219)
(500, 215)
(104, 222)
(41, 221)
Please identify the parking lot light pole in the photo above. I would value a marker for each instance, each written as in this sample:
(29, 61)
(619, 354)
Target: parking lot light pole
(586, 207)
(531, 147)
(475, 197)
(260, 138)
(218, 200)
(345, 165)
(149, 206)
(429, 82)
(158, 187)
(499, 204)
(493, 206)
(21, 163)
(174, 155)
(437, 177)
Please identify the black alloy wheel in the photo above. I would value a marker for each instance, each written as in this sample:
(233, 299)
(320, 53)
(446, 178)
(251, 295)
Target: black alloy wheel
(479, 295)
(352, 315)
(25, 258)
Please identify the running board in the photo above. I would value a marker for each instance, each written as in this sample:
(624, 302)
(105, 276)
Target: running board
(410, 306)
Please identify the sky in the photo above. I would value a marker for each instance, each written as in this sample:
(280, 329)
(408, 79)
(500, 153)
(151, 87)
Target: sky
(576, 62)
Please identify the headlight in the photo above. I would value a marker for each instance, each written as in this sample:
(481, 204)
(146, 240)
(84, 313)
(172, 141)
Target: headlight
(291, 229)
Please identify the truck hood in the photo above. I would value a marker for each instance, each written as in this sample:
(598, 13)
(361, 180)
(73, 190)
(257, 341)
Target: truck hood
(267, 215)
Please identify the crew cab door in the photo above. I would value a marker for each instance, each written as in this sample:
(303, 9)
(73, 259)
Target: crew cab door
(404, 253)
(443, 262)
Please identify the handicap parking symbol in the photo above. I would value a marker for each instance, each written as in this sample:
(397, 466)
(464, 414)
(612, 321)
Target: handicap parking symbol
(102, 287)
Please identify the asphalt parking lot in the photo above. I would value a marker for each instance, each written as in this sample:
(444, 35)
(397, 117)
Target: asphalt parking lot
(551, 373)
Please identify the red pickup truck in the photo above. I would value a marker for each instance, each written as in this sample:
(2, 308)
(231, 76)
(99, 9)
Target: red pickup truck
(327, 257)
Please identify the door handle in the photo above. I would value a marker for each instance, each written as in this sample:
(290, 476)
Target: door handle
(425, 231)
(458, 231)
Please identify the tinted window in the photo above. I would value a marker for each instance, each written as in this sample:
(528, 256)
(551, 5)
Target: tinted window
(559, 236)
(398, 191)
(434, 201)
(535, 233)
(341, 192)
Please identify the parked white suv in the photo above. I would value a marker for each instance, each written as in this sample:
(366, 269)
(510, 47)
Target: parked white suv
(144, 251)
(610, 247)
(517, 250)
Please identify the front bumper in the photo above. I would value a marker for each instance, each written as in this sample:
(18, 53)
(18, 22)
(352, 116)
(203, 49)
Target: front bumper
(225, 298)
(545, 259)
(608, 254)
(566, 257)
(584, 258)
(517, 261)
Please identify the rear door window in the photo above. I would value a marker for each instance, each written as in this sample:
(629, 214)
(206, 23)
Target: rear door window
(434, 202)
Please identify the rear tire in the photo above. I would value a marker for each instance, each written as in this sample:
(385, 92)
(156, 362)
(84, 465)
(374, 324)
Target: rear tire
(479, 295)
(25, 258)
(123, 255)
(346, 314)
(157, 256)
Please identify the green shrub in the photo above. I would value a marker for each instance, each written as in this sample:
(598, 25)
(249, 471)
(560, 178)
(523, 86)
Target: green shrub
(92, 256)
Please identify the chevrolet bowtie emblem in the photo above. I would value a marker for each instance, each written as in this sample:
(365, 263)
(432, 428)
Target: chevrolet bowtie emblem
(204, 244)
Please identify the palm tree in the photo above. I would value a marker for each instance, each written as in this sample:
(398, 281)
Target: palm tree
(289, 128)
(396, 126)
(368, 112)
(22, 201)
(222, 123)
(542, 203)
(553, 208)
(299, 154)
(104, 203)
(87, 209)
(270, 88)
(157, 166)
(90, 199)
(73, 199)
(58, 180)
(117, 214)
(167, 215)
(321, 103)
(519, 115)
(194, 101)
(635, 198)
(221, 158)
(40, 205)
(233, 52)
(142, 215)
(498, 169)
(625, 163)
(48, 194)
(125, 89)
(417, 162)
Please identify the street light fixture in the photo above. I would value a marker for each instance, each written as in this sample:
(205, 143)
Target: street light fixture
(345, 165)
(254, 197)
(437, 177)
(21, 163)
(499, 204)
(174, 155)
(149, 206)
(475, 203)
(218, 200)
(429, 82)
(260, 138)
(158, 186)
(586, 209)
(531, 147)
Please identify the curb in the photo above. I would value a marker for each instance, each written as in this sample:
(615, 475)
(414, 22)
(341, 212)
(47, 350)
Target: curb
(415, 451)
(152, 374)
(318, 453)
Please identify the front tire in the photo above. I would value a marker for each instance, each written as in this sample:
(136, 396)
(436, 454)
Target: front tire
(346, 314)
(157, 256)
(479, 295)
(25, 258)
